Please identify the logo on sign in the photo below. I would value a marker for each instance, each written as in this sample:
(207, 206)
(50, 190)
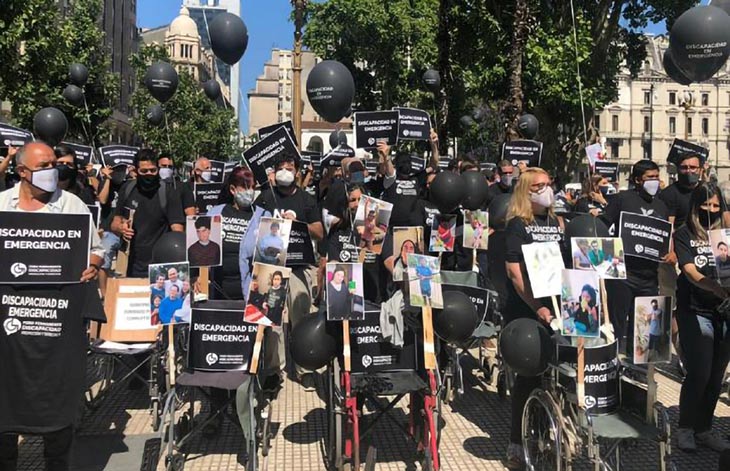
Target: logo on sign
(639, 248)
(12, 325)
(18, 269)
(345, 256)
(700, 261)
(211, 358)
(590, 401)
(367, 360)
(371, 141)
(406, 132)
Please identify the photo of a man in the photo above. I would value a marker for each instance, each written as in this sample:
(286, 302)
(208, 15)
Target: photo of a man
(170, 293)
(204, 241)
(273, 241)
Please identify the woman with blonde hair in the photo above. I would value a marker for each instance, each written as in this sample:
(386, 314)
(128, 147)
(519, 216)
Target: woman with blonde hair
(530, 218)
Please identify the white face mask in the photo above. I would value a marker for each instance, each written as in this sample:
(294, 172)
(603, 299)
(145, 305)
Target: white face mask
(284, 177)
(651, 187)
(506, 180)
(166, 173)
(45, 179)
(544, 199)
(206, 175)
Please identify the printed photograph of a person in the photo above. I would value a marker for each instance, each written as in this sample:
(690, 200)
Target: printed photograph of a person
(424, 281)
(204, 239)
(371, 222)
(272, 241)
(267, 294)
(443, 233)
(345, 300)
(652, 329)
(476, 230)
(605, 255)
(580, 303)
(169, 284)
(406, 240)
(719, 243)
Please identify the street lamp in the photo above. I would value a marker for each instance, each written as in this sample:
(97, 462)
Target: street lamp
(299, 6)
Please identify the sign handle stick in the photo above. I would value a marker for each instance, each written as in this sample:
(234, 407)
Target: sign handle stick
(204, 280)
(260, 330)
(606, 328)
(346, 344)
(581, 373)
(171, 353)
(556, 308)
(429, 350)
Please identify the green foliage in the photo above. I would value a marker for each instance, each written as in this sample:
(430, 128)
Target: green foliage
(194, 125)
(37, 45)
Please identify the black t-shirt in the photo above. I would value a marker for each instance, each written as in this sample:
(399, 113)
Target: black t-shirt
(301, 202)
(234, 223)
(676, 197)
(495, 190)
(404, 195)
(585, 204)
(43, 347)
(642, 274)
(691, 249)
(187, 194)
(150, 223)
(542, 229)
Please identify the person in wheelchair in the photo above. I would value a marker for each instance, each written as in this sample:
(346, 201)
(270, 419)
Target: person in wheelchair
(530, 219)
(702, 330)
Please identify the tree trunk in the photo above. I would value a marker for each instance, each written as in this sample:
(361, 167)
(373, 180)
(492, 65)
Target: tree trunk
(516, 53)
(443, 41)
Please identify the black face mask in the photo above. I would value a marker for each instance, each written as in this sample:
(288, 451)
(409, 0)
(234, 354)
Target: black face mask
(67, 173)
(148, 183)
(707, 219)
(688, 179)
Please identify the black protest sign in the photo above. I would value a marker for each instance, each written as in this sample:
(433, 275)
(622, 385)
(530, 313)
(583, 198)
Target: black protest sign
(312, 160)
(114, 155)
(372, 127)
(10, 136)
(372, 167)
(444, 161)
(229, 167)
(418, 163)
(681, 148)
(300, 250)
(413, 124)
(266, 130)
(334, 158)
(529, 152)
(479, 297)
(206, 196)
(608, 170)
(43, 247)
(600, 375)
(487, 166)
(84, 154)
(371, 354)
(645, 236)
(220, 340)
(261, 156)
(217, 171)
(95, 211)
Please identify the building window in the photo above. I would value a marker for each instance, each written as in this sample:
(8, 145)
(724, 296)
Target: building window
(647, 97)
(614, 149)
(689, 125)
(672, 98)
(672, 125)
(705, 99)
(705, 126)
(647, 124)
(614, 122)
(597, 121)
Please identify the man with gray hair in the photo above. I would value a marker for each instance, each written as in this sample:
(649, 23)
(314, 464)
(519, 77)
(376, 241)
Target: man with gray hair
(201, 174)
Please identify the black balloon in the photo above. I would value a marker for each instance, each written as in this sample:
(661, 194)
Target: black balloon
(700, 42)
(724, 5)
(155, 115)
(212, 89)
(446, 191)
(498, 208)
(526, 347)
(78, 74)
(330, 89)
(528, 126)
(458, 319)
(432, 81)
(311, 345)
(161, 80)
(170, 248)
(74, 95)
(585, 225)
(50, 125)
(477, 190)
(338, 138)
(228, 37)
(671, 69)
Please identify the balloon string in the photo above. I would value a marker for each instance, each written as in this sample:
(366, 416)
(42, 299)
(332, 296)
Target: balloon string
(89, 137)
(215, 59)
(167, 131)
(580, 84)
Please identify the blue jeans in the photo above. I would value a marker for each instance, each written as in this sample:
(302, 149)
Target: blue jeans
(110, 241)
(707, 353)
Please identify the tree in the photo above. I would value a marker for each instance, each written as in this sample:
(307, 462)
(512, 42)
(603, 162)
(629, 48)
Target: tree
(37, 46)
(194, 125)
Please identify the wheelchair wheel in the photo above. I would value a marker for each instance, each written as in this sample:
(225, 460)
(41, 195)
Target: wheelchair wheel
(176, 463)
(541, 434)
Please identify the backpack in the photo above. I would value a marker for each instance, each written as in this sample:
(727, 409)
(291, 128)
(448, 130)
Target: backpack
(129, 186)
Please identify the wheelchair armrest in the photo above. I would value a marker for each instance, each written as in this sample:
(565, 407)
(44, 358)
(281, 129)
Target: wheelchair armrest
(565, 369)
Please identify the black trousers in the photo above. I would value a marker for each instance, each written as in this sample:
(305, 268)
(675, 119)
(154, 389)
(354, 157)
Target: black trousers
(56, 450)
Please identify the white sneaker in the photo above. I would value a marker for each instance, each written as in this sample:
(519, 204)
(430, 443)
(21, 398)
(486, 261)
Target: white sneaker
(515, 456)
(686, 439)
(712, 440)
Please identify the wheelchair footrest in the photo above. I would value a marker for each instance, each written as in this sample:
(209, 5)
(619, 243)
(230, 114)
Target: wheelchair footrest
(623, 425)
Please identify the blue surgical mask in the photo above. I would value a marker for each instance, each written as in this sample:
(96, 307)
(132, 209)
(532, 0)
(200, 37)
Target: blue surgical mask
(357, 177)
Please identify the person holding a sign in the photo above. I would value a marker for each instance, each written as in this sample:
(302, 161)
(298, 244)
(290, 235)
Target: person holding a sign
(530, 219)
(702, 331)
(642, 274)
(68, 175)
(201, 174)
(593, 198)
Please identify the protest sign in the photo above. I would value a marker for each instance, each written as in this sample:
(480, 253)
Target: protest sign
(267, 130)
(652, 329)
(413, 124)
(95, 211)
(43, 247)
(300, 250)
(680, 148)
(335, 156)
(220, 340)
(217, 171)
(717, 255)
(127, 306)
(529, 152)
(261, 156)
(114, 155)
(206, 196)
(345, 291)
(444, 161)
(544, 264)
(372, 127)
(10, 136)
(595, 153)
(371, 354)
(84, 154)
(601, 375)
(608, 170)
(418, 163)
(645, 236)
(204, 239)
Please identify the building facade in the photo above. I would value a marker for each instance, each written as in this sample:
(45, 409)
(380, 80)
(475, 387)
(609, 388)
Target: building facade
(652, 110)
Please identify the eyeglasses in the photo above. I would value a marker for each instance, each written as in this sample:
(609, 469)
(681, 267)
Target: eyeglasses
(689, 168)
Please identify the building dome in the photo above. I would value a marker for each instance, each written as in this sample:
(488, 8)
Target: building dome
(183, 25)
